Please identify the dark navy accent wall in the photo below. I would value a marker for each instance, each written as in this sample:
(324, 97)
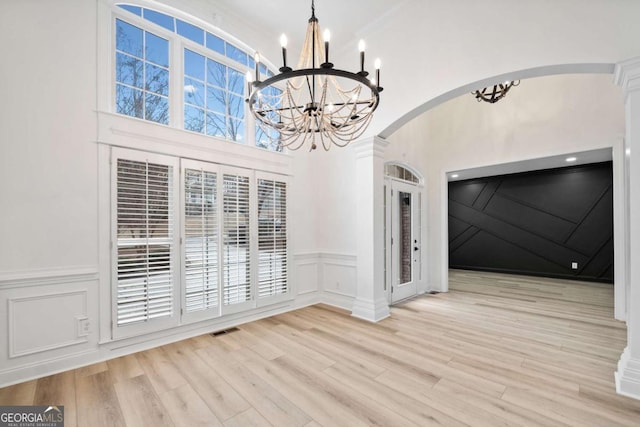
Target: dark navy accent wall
(535, 223)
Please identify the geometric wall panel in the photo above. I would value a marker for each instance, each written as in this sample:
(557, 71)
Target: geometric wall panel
(535, 223)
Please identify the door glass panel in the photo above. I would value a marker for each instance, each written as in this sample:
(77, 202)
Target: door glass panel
(405, 244)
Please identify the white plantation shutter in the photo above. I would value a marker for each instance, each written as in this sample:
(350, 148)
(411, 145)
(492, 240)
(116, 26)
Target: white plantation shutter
(272, 238)
(145, 241)
(236, 240)
(201, 241)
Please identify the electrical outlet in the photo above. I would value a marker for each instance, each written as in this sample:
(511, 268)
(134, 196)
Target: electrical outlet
(574, 265)
(84, 327)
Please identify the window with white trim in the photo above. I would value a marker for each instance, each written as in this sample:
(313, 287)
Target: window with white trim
(201, 241)
(272, 237)
(400, 172)
(142, 73)
(145, 241)
(212, 77)
(236, 240)
(213, 97)
(193, 241)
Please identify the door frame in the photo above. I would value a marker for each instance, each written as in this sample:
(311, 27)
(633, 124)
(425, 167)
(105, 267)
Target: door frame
(418, 214)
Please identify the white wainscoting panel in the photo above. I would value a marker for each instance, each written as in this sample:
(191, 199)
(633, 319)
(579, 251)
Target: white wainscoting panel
(46, 322)
(307, 274)
(338, 279)
(41, 317)
(326, 277)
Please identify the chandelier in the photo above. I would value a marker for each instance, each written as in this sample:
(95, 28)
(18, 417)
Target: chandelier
(315, 103)
(497, 93)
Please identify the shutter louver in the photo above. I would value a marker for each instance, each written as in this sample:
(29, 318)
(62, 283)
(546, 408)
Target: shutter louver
(201, 240)
(272, 238)
(144, 241)
(236, 241)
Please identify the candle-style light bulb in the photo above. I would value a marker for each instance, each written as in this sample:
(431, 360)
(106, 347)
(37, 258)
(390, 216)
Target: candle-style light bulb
(256, 59)
(327, 37)
(376, 65)
(283, 43)
(249, 79)
(361, 49)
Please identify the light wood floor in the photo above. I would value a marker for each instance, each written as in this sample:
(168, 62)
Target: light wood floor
(496, 350)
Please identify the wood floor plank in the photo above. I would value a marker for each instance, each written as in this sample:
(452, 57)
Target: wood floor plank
(140, 404)
(97, 403)
(19, 394)
(266, 399)
(414, 410)
(447, 404)
(187, 409)
(331, 350)
(320, 404)
(160, 370)
(250, 417)
(125, 367)
(511, 413)
(356, 403)
(568, 411)
(92, 369)
(223, 400)
(312, 357)
(58, 390)
(257, 343)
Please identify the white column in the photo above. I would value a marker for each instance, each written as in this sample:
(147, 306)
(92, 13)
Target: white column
(371, 300)
(627, 376)
(620, 238)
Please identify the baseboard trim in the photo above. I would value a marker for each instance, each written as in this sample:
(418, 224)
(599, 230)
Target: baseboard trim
(628, 375)
(369, 310)
(338, 300)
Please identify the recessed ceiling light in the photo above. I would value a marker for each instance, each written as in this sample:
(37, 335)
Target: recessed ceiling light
(455, 175)
(571, 159)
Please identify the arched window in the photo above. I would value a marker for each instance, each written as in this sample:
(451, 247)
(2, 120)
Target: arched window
(400, 172)
(207, 98)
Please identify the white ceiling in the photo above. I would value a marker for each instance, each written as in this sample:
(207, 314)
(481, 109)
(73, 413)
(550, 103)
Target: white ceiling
(348, 20)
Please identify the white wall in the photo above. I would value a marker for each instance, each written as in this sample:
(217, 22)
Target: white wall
(429, 48)
(48, 181)
(542, 117)
(47, 123)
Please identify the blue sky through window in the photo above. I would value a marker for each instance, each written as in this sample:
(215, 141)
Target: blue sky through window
(142, 75)
(213, 92)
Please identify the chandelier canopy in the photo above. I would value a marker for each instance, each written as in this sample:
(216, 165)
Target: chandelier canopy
(497, 93)
(315, 103)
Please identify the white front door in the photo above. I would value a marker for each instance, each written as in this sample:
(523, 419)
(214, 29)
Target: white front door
(404, 216)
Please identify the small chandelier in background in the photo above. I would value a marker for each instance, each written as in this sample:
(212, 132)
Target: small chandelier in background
(314, 103)
(497, 93)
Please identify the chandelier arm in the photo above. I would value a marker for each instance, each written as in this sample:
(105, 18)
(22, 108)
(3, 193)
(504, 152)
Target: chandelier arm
(339, 104)
(258, 86)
